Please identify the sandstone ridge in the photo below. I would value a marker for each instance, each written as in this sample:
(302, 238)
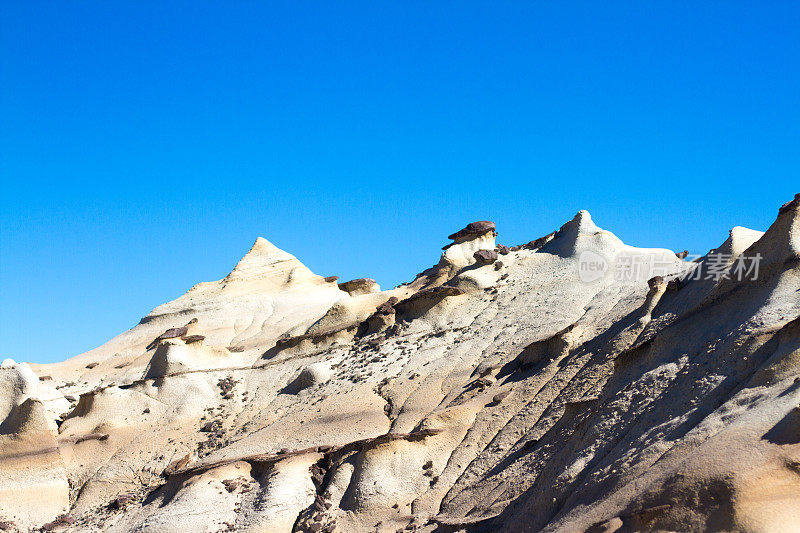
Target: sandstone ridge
(499, 390)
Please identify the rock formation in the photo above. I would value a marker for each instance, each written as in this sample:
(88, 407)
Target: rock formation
(573, 383)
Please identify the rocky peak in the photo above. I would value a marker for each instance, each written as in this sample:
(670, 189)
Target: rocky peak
(487, 394)
(579, 234)
(264, 260)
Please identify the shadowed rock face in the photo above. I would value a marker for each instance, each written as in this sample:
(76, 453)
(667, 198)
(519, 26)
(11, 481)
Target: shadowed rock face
(485, 395)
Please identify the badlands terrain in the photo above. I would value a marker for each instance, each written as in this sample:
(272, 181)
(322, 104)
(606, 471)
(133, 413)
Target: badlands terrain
(573, 383)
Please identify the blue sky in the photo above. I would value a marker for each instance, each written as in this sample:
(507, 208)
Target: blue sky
(145, 145)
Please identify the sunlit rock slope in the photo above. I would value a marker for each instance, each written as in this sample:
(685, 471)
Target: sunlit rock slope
(573, 383)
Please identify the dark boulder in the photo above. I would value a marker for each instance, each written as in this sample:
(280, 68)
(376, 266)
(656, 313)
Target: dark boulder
(173, 333)
(500, 396)
(485, 257)
(359, 286)
(473, 228)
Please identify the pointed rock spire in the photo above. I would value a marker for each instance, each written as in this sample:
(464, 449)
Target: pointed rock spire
(739, 239)
(780, 244)
(263, 259)
(581, 233)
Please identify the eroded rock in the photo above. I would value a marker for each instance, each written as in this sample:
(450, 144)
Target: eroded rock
(472, 229)
(360, 286)
(313, 374)
(485, 257)
(666, 411)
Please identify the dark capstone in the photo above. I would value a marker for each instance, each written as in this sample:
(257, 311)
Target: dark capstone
(473, 228)
(188, 339)
(498, 265)
(485, 257)
(655, 282)
(502, 249)
(331, 279)
(682, 255)
(363, 284)
(92, 365)
(174, 332)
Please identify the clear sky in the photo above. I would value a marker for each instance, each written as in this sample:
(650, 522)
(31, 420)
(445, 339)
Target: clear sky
(145, 145)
